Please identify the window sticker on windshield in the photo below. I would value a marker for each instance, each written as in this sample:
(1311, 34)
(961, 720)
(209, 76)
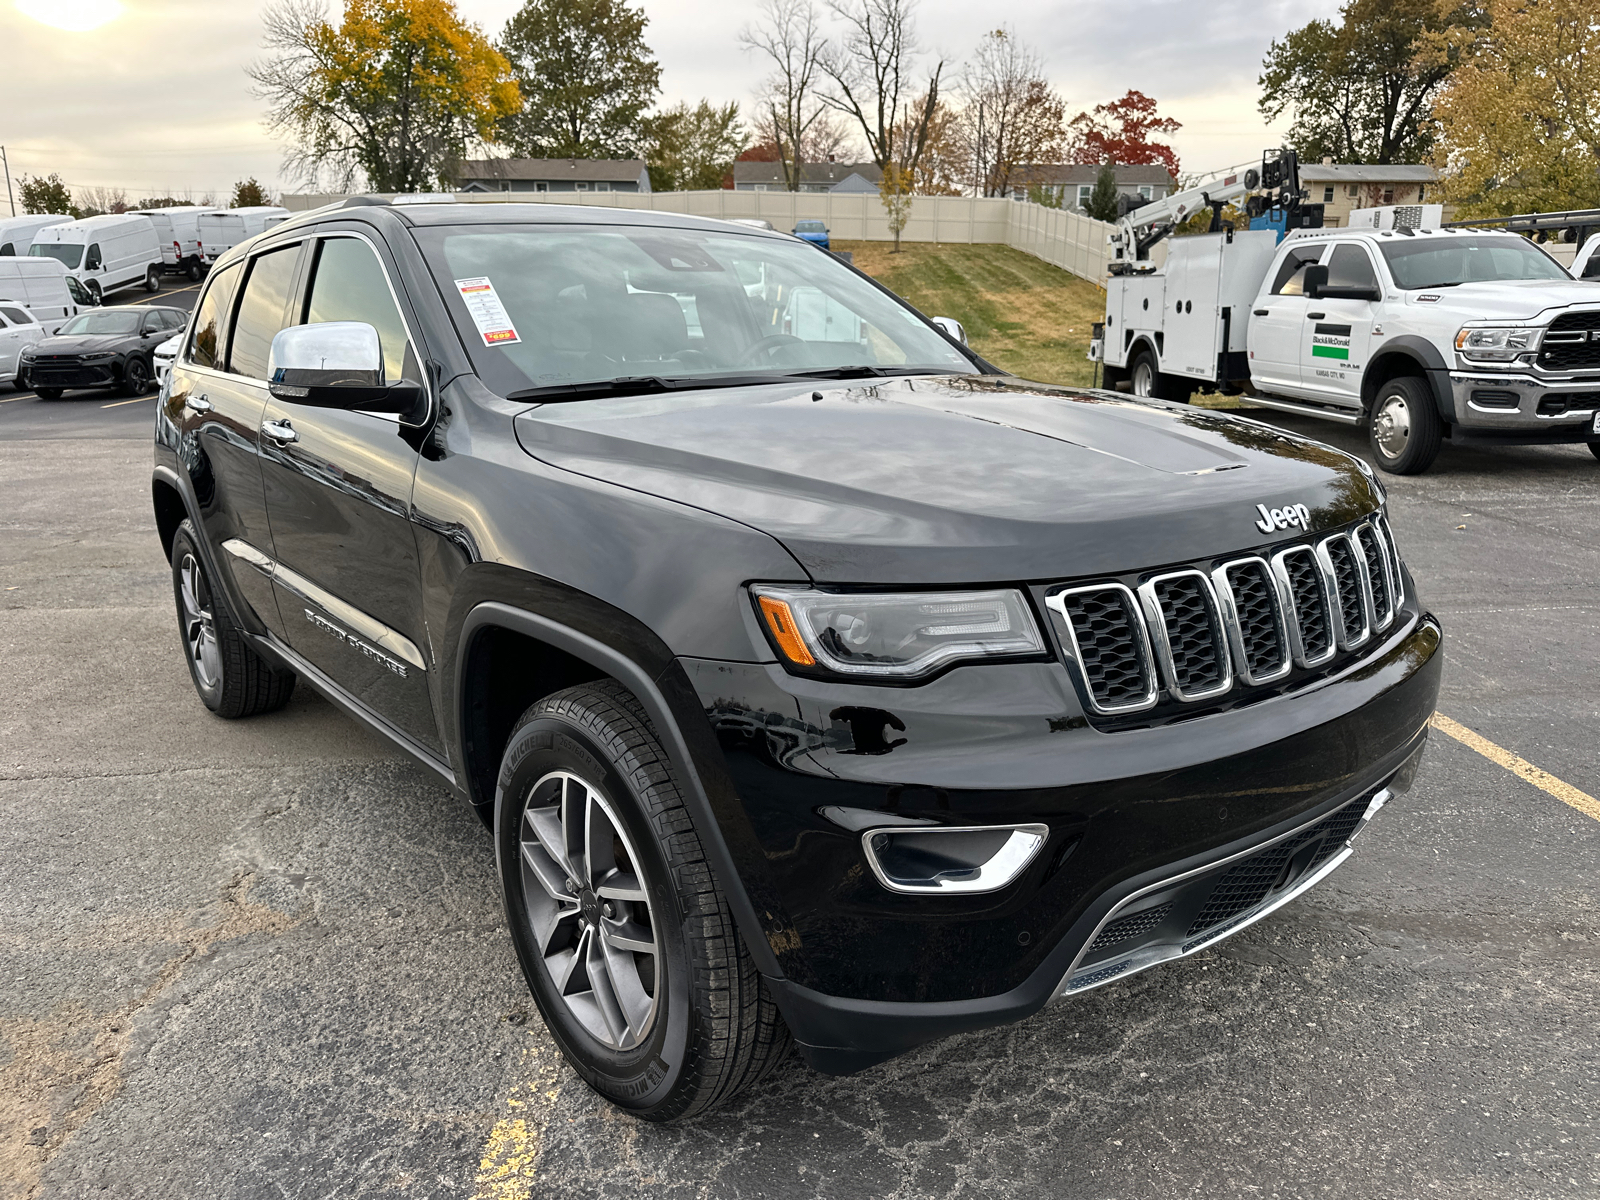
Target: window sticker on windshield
(488, 314)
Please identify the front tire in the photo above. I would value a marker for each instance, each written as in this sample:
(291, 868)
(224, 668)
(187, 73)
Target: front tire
(1404, 430)
(135, 378)
(152, 279)
(623, 936)
(48, 393)
(96, 296)
(232, 679)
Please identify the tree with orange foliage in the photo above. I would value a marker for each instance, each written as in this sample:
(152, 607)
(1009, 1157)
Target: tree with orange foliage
(395, 92)
(1120, 132)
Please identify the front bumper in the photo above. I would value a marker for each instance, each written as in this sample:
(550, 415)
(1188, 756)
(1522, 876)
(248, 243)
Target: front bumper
(1526, 406)
(69, 374)
(1136, 817)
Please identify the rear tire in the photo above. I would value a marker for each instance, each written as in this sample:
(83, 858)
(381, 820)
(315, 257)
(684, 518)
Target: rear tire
(152, 279)
(192, 271)
(1404, 429)
(664, 1032)
(1147, 380)
(231, 678)
(48, 393)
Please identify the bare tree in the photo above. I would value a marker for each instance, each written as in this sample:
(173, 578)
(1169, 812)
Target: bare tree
(870, 75)
(788, 107)
(1012, 118)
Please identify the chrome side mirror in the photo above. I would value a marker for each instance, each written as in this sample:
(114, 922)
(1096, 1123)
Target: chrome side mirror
(335, 364)
(951, 327)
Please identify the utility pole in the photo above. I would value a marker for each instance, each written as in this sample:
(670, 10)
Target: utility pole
(9, 196)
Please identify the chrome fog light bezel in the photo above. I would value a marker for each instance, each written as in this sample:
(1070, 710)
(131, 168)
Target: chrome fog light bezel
(1000, 868)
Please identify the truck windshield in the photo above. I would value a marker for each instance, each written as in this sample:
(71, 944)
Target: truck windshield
(1422, 262)
(70, 253)
(562, 306)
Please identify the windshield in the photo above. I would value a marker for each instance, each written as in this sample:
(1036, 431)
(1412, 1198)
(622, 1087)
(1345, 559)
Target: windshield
(558, 305)
(810, 227)
(1422, 262)
(103, 322)
(70, 253)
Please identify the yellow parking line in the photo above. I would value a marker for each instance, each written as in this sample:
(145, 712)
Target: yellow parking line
(24, 396)
(1558, 788)
(135, 400)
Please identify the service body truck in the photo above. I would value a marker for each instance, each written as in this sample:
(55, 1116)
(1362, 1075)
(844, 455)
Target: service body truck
(178, 231)
(1417, 334)
(223, 229)
(106, 253)
(16, 233)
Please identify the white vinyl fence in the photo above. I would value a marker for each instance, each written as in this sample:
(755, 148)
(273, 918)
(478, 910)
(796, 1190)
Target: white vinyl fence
(1067, 240)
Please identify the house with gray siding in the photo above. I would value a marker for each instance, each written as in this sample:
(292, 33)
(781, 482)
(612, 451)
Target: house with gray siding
(552, 175)
(814, 177)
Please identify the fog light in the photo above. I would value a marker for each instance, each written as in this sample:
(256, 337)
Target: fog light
(951, 861)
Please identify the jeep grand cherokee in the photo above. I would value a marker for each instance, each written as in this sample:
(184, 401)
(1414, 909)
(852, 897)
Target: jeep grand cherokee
(822, 684)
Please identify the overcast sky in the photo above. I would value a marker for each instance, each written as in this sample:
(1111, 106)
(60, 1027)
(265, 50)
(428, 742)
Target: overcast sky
(155, 100)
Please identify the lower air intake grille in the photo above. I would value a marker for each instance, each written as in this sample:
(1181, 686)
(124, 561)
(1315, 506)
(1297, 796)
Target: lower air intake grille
(1134, 925)
(1257, 877)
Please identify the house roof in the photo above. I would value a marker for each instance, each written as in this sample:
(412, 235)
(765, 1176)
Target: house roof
(771, 172)
(1074, 173)
(1367, 173)
(617, 170)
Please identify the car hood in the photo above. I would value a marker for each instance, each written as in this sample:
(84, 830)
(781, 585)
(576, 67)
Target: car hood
(85, 343)
(1507, 300)
(957, 479)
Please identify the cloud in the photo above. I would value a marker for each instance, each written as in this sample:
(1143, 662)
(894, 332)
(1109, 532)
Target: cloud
(157, 100)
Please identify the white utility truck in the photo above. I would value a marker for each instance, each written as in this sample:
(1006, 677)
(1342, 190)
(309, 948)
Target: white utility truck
(1414, 332)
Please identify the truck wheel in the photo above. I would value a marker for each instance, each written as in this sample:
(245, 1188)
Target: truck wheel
(96, 296)
(1145, 379)
(232, 679)
(624, 938)
(1405, 429)
(193, 271)
(152, 279)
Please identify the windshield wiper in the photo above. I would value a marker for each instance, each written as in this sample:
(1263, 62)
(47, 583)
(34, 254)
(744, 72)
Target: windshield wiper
(633, 385)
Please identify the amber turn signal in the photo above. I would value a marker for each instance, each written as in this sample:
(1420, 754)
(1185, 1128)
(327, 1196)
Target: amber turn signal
(781, 622)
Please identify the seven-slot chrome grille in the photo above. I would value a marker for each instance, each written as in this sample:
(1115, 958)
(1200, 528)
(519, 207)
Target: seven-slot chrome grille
(1193, 635)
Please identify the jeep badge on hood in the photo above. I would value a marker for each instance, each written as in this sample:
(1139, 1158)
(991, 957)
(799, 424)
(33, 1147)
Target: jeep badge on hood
(1281, 518)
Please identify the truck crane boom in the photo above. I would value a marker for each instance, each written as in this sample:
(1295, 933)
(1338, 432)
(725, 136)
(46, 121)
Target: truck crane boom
(1140, 228)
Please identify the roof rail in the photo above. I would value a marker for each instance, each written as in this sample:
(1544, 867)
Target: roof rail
(364, 202)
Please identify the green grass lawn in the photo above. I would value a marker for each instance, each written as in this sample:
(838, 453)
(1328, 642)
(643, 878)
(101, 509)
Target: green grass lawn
(1019, 312)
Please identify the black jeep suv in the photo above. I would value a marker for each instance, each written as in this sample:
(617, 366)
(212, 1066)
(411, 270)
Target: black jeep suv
(820, 681)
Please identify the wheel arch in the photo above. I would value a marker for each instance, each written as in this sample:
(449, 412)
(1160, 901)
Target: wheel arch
(1413, 356)
(483, 707)
(170, 511)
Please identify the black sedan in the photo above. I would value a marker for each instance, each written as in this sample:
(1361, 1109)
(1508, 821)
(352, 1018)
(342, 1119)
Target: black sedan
(107, 348)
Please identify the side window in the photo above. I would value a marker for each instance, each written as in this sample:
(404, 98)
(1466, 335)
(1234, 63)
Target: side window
(1350, 267)
(175, 319)
(349, 285)
(8, 250)
(152, 324)
(16, 316)
(210, 336)
(1291, 272)
(92, 263)
(263, 311)
(1591, 269)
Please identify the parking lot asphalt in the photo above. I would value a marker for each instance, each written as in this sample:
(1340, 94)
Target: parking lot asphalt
(267, 958)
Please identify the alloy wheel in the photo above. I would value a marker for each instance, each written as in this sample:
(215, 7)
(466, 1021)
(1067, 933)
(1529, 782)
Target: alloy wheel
(1391, 428)
(586, 903)
(199, 627)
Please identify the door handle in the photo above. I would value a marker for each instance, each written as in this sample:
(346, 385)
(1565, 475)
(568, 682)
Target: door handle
(198, 404)
(1261, 312)
(1315, 316)
(280, 431)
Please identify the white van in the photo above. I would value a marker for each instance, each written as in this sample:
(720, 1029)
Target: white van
(223, 230)
(178, 231)
(43, 287)
(105, 254)
(16, 233)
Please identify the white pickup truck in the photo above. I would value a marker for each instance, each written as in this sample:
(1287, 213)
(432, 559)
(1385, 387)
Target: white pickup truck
(1416, 334)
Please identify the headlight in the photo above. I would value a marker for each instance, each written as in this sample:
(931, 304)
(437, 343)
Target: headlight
(1496, 345)
(103, 356)
(901, 636)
